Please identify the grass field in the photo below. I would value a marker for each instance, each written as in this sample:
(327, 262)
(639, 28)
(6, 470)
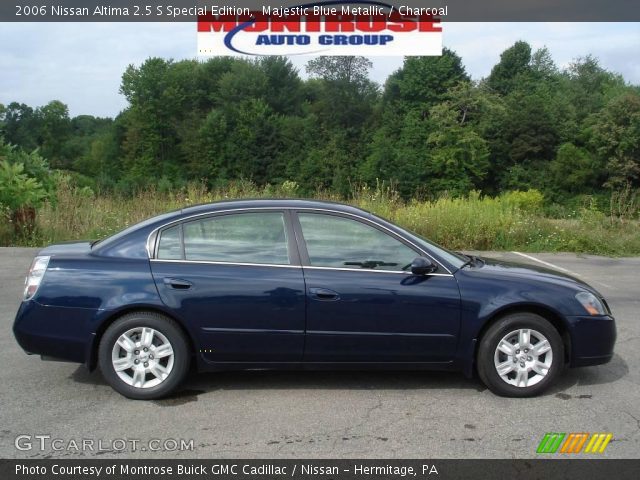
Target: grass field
(512, 221)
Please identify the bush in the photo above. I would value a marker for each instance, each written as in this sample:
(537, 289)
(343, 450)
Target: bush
(17, 190)
(531, 201)
(20, 195)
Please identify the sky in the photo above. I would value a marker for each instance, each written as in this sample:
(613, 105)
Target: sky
(81, 64)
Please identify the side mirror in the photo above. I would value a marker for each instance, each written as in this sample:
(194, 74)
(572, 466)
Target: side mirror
(422, 266)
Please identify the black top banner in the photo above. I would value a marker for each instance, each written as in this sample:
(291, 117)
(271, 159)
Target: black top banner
(447, 10)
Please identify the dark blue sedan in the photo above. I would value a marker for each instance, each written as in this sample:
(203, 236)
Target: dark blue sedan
(293, 284)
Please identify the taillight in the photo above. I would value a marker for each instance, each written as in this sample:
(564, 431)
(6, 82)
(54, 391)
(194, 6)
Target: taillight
(34, 277)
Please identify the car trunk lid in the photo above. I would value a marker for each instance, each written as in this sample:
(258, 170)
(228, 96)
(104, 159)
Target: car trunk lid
(67, 248)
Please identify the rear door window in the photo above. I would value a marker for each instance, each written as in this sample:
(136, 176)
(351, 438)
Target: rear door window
(253, 237)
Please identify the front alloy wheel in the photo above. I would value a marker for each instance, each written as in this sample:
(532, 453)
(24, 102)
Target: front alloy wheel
(520, 355)
(144, 355)
(523, 357)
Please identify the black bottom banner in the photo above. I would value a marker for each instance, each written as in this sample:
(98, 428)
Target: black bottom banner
(318, 469)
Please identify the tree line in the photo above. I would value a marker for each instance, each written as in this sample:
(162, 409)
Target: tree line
(429, 130)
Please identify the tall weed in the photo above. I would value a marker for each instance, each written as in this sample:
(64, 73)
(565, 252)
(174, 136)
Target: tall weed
(511, 221)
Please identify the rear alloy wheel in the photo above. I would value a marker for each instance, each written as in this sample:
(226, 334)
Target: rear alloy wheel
(520, 355)
(144, 355)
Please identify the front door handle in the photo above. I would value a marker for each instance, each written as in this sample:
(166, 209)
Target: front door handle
(323, 294)
(177, 283)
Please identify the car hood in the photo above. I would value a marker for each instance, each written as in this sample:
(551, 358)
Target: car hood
(67, 248)
(533, 272)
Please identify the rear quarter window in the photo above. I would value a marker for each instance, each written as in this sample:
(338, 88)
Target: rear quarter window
(170, 246)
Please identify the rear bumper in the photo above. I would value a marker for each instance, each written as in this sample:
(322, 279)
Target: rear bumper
(592, 339)
(58, 332)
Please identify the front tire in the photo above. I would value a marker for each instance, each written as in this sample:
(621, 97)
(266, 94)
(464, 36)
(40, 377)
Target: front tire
(520, 355)
(144, 355)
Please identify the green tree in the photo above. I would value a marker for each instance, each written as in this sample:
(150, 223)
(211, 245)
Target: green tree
(514, 63)
(240, 142)
(542, 66)
(344, 94)
(423, 82)
(54, 132)
(284, 89)
(399, 150)
(21, 126)
(615, 136)
(244, 81)
(573, 170)
(150, 133)
(346, 70)
(458, 156)
(341, 99)
(591, 86)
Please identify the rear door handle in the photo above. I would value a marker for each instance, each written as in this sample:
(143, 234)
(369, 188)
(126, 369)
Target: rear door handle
(177, 283)
(323, 294)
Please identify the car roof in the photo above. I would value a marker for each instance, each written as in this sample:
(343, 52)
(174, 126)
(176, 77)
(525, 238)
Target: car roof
(271, 203)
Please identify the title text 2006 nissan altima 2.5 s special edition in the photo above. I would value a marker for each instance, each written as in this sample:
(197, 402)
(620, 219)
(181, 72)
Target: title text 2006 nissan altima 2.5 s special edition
(293, 284)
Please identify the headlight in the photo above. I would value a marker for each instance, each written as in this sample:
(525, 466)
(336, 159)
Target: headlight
(591, 303)
(34, 277)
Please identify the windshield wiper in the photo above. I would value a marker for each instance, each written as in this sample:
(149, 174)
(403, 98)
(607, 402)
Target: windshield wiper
(370, 264)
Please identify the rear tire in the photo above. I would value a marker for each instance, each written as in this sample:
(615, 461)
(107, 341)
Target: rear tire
(144, 355)
(520, 355)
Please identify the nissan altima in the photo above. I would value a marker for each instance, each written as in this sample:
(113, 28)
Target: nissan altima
(296, 284)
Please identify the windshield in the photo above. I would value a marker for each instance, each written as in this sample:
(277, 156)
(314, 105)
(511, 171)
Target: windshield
(456, 260)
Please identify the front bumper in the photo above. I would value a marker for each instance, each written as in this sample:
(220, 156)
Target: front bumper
(592, 339)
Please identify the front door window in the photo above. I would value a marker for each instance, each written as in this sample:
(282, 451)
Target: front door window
(340, 242)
